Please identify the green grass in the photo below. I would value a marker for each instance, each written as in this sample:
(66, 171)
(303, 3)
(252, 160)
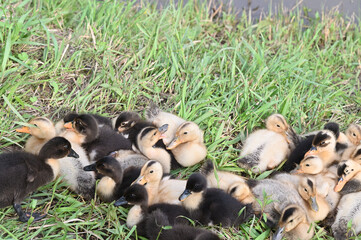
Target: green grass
(225, 73)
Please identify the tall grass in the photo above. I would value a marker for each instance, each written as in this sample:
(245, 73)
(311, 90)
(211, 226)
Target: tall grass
(225, 73)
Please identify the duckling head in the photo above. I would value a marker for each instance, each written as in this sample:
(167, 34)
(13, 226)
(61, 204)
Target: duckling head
(134, 195)
(291, 217)
(86, 125)
(239, 190)
(151, 172)
(353, 133)
(277, 123)
(57, 147)
(150, 135)
(126, 120)
(324, 141)
(107, 166)
(196, 185)
(41, 128)
(346, 171)
(311, 165)
(307, 190)
(186, 132)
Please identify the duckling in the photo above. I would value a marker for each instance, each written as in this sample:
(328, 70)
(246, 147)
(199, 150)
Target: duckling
(187, 145)
(98, 142)
(348, 211)
(349, 173)
(115, 180)
(267, 148)
(137, 195)
(21, 173)
(294, 224)
(157, 220)
(280, 193)
(311, 165)
(159, 118)
(42, 131)
(305, 144)
(212, 205)
(125, 121)
(353, 134)
(219, 179)
(241, 191)
(160, 189)
(148, 143)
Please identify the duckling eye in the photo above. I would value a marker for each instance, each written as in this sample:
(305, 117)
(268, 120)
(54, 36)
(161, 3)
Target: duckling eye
(277, 125)
(151, 171)
(307, 165)
(354, 134)
(305, 189)
(132, 195)
(35, 125)
(322, 143)
(291, 221)
(185, 133)
(122, 124)
(154, 133)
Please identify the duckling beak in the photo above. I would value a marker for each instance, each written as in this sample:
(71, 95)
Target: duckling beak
(73, 154)
(278, 234)
(163, 128)
(184, 195)
(121, 201)
(314, 204)
(312, 151)
(174, 143)
(140, 180)
(23, 130)
(300, 171)
(68, 125)
(90, 167)
(340, 184)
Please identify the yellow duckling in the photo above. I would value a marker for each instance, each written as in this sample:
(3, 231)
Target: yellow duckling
(267, 148)
(353, 134)
(160, 189)
(41, 131)
(348, 170)
(241, 191)
(187, 146)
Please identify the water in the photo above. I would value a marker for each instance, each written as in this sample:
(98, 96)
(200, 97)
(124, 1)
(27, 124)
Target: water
(348, 8)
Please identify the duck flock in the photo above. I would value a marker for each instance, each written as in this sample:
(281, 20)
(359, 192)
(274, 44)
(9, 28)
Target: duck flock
(319, 176)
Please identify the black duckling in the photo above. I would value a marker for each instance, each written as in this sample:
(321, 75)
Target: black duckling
(267, 148)
(21, 173)
(125, 121)
(97, 142)
(137, 195)
(294, 224)
(348, 210)
(149, 142)
(212, 205)
(306, 143)
(157, 220)
(115, 180)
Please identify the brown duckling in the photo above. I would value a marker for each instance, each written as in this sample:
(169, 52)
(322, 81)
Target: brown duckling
(160, 189)
(114, 179)
(267, 148)
(212, 205)
(21, 173)
(41, 131)
(187, 145)
(241, 191)
(97, 141)
(159, 118)
(294, 224)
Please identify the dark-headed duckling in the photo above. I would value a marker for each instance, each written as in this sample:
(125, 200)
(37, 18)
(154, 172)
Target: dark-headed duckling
(98, 142)
(305, 145)
(157, 220)
(149, 143)
(115, 180)
(349, 173)
(348, 210)
(125, 121)
(188, 146)
(159, 118)
(267, 148)
(21, 173)
(211, 205)
(137, 195)
(294, 224)
(41, 131)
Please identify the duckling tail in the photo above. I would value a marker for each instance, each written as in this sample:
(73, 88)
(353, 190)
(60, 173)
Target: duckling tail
(152, 111)
(207, 167)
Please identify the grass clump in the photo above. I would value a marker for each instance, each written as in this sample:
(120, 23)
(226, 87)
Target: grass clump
(225, 73)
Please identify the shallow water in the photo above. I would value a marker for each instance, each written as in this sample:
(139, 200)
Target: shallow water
(348, 8)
